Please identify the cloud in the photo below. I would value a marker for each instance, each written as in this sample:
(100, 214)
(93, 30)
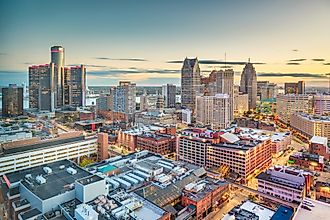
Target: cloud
(132, 70)
(305, 75)
(216, 62)
(89, 65)
(297, 60)
(3, 54)
(122, 59)
(28, 63)
(292, 63)
(326, 63)
(318, 59)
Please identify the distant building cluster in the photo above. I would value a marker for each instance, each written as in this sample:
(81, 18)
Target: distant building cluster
(52, 86)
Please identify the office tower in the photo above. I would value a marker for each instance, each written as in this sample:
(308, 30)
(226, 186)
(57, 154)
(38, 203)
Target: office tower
(294, 88)
(124, 96)
(78, 86)
(248, 84)
(169, 92)
(41, 87)
(223, 82)
(213, 111)
(286, 105)
(12, 101)
(190, 83)
(57, 57)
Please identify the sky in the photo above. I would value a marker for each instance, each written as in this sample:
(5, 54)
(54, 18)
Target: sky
(145, 41)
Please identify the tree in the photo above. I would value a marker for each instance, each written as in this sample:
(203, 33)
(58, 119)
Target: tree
(86, 161)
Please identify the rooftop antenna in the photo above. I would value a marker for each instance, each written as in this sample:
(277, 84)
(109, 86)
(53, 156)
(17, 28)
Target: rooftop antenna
(225, 60)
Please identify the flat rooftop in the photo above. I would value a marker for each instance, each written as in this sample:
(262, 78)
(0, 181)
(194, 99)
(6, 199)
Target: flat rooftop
(319, 212)
(89, 179)
(57, 182)
(251, 211)
(41, 144)
(284, 182)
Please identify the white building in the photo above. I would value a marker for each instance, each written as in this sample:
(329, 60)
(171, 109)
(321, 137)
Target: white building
(186, 116)
(31, 155)
(288, 104)
(213, 110)
(284, 183)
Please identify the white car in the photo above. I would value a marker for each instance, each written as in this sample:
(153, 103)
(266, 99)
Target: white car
(308, 203)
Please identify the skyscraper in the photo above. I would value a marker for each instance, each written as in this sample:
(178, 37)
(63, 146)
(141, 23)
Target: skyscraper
(78, 86)
(57, 57)
(12, 101)
(123, 97)
(169, 92)
(52, 85)
(248, 84)
(41, 87)
(190, 83)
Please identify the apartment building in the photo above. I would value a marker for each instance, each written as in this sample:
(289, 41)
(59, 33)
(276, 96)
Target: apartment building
(286, 105)
(310, 125)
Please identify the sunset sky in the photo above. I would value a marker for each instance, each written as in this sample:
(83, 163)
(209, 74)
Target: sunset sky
(144, 41)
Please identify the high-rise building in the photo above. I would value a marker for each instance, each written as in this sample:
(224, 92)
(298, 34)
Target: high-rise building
(56, 84)
(57, 57)
(78, 86)
(213, 111)
(190, 83)
(248, 84)
(123, 97)
(169, 94)
(41, 87)
(294, 88)
(321, 104)
(12, 101)
(286, 105)
(223, 82)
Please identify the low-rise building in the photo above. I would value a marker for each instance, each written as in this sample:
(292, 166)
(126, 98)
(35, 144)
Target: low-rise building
(307, 161)
(205, 195)
(155, 117)
(158, 143)
(322, 187)
(319, 145)
(280, 142)
(44, 187)
(285, 183)
(24, 154)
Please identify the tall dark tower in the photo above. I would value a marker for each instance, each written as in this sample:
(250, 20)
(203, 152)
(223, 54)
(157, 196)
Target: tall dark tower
(58, 58)
(248, 84)
(190, 83)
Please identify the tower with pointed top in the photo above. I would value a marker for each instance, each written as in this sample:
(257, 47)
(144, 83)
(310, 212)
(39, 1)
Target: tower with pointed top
(190, 83)
(248, 84)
